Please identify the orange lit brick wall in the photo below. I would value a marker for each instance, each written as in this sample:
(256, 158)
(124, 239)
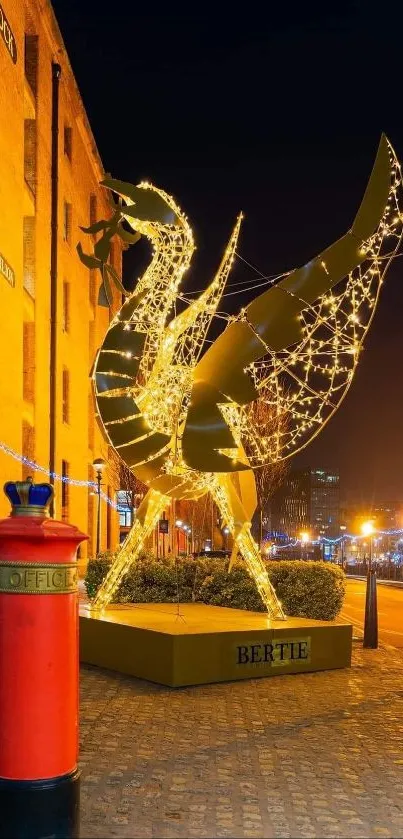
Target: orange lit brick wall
(25, 243)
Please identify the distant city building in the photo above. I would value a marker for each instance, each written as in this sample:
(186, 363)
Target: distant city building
(308, 500)
(386, 516)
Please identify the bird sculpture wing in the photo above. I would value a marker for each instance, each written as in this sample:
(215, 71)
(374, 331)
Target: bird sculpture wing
(296, 346)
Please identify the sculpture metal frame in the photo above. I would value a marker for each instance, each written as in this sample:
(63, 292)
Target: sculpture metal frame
(180, 415)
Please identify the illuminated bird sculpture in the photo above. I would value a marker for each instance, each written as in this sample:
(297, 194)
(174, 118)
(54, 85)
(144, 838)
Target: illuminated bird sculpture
(180, 415)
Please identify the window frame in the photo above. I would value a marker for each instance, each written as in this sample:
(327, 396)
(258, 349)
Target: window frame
(68, 142)
(66, 395)
(67, 221)
(66, 311)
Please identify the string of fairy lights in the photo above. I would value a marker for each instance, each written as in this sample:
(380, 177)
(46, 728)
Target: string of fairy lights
(306, 383)
(352, 537)
(36, 467)
(31, 464)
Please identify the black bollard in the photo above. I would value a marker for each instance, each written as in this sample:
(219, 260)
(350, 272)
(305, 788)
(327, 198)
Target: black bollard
(371, 613)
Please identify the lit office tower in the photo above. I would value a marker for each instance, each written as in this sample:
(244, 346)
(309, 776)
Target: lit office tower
(308, 500)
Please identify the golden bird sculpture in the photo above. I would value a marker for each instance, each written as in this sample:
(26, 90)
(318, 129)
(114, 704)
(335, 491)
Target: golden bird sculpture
(179, 409)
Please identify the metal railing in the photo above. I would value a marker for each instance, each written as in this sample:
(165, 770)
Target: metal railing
(384, 570)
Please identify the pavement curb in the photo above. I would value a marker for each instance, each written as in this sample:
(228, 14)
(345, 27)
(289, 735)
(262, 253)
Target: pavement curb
(391, 583)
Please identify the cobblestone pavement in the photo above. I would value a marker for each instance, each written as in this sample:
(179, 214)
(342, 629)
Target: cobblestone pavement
(313, 755)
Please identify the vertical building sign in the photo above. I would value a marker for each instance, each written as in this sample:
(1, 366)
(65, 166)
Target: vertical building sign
(7, 271)
(7, 35)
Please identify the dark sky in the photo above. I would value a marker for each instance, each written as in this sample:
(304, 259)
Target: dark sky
(277, 113)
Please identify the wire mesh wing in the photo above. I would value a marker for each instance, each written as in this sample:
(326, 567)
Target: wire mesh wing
(295, 348)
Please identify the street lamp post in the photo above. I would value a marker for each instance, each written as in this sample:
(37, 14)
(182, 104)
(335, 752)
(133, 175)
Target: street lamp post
(99, 465)
(371, 608)
(187, 531)
(178, 524)
(343, 528)
(304, 542)
(212, 525)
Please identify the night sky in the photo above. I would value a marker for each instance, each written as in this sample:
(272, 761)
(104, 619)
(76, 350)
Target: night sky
(275, 113)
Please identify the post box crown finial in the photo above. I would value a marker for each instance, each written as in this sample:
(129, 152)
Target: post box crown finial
(28, 499)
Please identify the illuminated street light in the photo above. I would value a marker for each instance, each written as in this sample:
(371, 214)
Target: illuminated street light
(367, 528)
(178, 524)
(98, 466)
(343, 528)
(371, 609)
(304, 543)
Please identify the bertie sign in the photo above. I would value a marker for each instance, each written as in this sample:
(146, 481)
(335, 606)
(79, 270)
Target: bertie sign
(7, 35)
(274, 654)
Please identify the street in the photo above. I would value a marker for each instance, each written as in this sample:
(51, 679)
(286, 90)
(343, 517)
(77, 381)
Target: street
(390, 610)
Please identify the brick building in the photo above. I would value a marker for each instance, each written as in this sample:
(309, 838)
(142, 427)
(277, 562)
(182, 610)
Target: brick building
(49, 175)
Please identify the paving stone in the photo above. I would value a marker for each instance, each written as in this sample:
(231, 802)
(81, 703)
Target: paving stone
(318, 754)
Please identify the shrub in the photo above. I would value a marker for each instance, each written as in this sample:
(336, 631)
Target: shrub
(306, 589)
(236, 589)
(97, 569)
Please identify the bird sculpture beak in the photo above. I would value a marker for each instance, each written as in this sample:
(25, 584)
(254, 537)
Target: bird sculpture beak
(143, 203)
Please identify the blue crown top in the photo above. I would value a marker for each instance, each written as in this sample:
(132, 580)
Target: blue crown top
(27, 498)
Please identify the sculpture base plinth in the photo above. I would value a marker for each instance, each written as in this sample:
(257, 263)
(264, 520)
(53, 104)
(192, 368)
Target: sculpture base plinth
(194, 644)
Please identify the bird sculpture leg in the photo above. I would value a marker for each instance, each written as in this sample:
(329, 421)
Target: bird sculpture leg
(232, 511)
(148, 514)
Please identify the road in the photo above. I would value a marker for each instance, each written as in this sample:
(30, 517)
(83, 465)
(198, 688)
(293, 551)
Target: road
(390, 610)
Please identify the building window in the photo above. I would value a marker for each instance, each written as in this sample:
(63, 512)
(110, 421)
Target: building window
(31, 62)
(91, 420)
(30, 154)
(68, 140)
(66, 395)
(66, 307)
(109, 522)
(67, 222)
(28, 254)
(28, 447)
(65, 490)
(112, 255)
(91, 512)
(93, 287)
(28, 361)
(93, 209)
(125, 507)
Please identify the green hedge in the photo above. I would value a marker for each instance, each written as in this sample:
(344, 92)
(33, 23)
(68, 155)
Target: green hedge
(306, 589)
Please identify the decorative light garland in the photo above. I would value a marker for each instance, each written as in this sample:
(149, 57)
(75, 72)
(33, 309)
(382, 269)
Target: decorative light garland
(91, 484)
(378, 534)
(62, 478)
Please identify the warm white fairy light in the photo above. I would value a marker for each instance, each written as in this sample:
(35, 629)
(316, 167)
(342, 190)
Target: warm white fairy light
(316, 375)
(64, 479)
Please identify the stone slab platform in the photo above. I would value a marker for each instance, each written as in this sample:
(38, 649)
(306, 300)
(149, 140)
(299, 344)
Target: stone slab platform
(193, 644)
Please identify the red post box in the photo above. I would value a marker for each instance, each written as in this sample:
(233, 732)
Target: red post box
(39, 780)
